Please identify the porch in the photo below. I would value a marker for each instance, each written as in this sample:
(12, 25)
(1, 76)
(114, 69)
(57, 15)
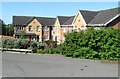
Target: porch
(29, 36)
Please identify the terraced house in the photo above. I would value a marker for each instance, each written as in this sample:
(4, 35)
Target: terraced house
(35, 28)
(63, 25)
(41, 28)
(97, 19)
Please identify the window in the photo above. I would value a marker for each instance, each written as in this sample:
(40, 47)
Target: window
(82, 26)
(75, 26)
(45, 28)
(20, 28)
(30, 28)
(71, 29)
(38, 28)
(64, 29)
(79, 20)
(78, 29)
(45, 37)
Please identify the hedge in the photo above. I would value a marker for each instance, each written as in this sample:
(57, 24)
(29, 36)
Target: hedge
(102, 44)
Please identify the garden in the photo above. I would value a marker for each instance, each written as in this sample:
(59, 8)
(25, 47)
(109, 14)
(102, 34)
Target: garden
(101, 44)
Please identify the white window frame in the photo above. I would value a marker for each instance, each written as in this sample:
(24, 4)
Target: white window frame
(38, 28)
(45, 28)
(29, 28)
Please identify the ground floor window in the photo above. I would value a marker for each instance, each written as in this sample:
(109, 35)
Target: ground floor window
(37, 38)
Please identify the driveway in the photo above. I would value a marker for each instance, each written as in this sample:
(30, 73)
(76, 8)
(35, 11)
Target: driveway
(32, 65)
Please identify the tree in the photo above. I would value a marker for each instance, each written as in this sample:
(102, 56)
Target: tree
(9, 29)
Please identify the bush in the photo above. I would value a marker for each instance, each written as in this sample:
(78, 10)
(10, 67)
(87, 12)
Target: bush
(8, 42)
(51, 44)
(101, 44)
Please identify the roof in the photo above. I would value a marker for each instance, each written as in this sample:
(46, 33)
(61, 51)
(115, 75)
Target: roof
(46, 21)
(19, 33)
(88, 15)
(104, 16)
(63, 19)
(21, 20)
(24, 20)
(69, 21)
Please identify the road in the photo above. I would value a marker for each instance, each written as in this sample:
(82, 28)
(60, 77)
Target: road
(32, 65)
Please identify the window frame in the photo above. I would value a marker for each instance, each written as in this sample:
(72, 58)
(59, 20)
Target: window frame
(30, 28)
(38, 28)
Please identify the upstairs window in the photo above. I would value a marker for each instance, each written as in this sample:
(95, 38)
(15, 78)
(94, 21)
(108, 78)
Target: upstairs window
(64, 29)
(38, 28)
(30, 28)
(20, 28)
(45, 28)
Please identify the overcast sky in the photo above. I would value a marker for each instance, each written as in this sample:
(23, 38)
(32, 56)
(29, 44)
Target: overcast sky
(50, 9)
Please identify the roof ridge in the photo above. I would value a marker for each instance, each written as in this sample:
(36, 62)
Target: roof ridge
(110, 9)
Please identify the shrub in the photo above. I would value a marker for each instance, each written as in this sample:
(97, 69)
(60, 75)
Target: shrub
(8, 42)
(51, 44)
(92, 44)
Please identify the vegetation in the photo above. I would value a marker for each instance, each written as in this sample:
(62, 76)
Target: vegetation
(20, 44)
(103, 44)
(7, 29)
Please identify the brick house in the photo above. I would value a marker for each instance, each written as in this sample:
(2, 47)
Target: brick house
(63, 25)
(97, 19)
(35, 28)
(42, 28)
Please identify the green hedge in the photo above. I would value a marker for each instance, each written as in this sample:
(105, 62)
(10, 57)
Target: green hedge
(102, 44)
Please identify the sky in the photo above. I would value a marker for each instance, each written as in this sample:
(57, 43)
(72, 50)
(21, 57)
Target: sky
(50, 9)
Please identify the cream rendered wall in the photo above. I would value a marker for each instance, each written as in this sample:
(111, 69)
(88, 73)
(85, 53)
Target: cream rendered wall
(57, 31)
(34, 25)
(79, 22)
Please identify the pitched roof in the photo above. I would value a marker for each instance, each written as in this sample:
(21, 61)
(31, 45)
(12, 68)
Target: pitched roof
(21, 20)
(104, 16)
(63, 19)
(24, 20)
(88, 15)
(46, 21)
(69, 21)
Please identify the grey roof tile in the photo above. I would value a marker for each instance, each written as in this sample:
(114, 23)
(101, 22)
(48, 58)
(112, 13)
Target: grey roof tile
(46, 21)
(104, 16)
(88, 15)
(69, 21)
(24, 20)
(21, 20)
(63, 19)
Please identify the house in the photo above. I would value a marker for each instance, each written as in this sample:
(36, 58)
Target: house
(97, 19)
(42, 28)
(35, 28)
(63, 25)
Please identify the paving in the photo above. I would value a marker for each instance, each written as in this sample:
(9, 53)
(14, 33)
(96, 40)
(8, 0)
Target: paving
(32, 65)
